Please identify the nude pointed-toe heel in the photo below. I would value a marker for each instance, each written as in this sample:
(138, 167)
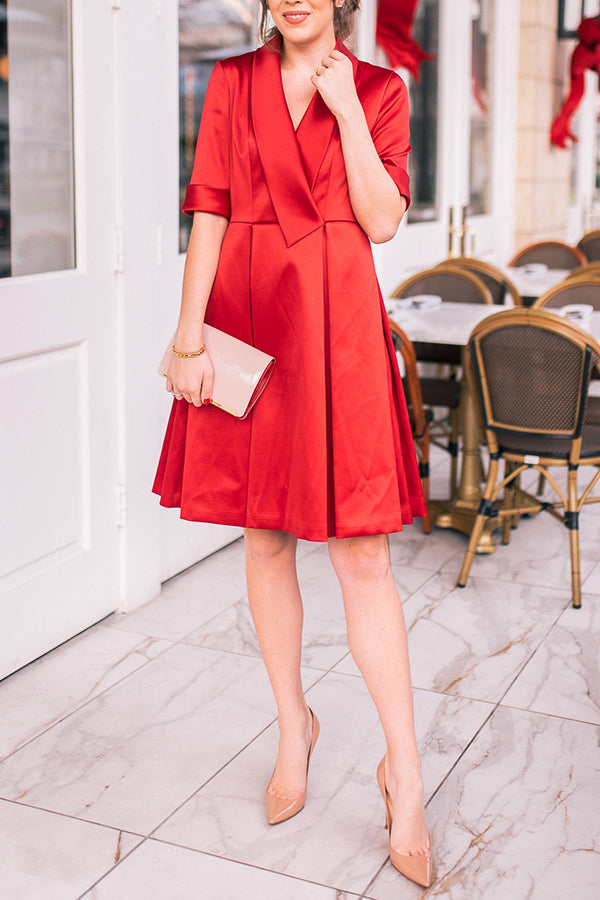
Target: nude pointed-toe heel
(279, 809)
(416, 868)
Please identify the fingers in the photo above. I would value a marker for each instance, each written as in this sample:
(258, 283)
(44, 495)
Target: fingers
(195, 387)
(207, 388)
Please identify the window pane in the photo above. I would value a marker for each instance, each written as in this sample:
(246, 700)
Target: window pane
(209, 30)
(424, 117)
(37, 228)
(480, 155)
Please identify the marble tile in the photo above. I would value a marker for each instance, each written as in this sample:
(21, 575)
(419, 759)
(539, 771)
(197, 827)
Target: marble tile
(133, 754)
(473, 641)
(49, 689)
(517, 817)
(189, 599)
(563, 676)
(412, 549)
(591, 585)
(338, 838)
(44, 856)
(538, 554)
(157, 871)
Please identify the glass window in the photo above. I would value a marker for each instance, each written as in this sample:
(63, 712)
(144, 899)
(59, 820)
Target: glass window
(37, 211)
(480, 125)
(209, 30)
(423, 94)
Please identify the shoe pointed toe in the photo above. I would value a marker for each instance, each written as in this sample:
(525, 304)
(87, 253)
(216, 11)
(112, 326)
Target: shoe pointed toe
(416, 868)
(279, 809)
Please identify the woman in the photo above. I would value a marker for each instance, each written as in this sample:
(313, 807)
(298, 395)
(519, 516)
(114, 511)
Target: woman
(301, 159)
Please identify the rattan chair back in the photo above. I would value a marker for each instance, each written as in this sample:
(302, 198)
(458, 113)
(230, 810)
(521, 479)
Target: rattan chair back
(532, 370)
(592, 270)
(554, 254)
(589, 245)
(449, 283)
(499, 286)
(577, 290)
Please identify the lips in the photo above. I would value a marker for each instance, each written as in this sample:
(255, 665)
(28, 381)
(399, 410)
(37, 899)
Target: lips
(295, 18)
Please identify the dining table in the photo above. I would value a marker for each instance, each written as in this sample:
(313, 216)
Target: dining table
(534, 279)
(441, 332)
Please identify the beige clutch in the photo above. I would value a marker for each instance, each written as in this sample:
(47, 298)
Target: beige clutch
(241, 371)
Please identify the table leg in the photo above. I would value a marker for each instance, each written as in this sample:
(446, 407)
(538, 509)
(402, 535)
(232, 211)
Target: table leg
(460, 515)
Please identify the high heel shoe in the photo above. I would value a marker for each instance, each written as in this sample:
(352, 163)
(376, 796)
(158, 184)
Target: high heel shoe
(279, 809)
(416, 868)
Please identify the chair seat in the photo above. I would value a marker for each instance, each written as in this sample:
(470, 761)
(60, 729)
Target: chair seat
(441, 392)
(552, 447)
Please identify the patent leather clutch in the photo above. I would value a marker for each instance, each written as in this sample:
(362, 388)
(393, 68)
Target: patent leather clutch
(242, 372)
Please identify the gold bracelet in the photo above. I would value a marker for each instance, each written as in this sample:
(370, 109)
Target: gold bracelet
(191, 355)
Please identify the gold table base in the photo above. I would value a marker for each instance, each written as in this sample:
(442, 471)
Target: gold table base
(461, 517)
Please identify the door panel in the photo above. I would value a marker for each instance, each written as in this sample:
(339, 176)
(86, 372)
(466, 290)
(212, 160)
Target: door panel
(58, 563)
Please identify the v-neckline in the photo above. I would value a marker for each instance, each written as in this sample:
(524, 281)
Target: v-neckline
(287, 106)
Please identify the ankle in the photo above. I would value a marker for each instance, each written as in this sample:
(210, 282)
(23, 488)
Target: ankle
(293, 719)
(404, 769)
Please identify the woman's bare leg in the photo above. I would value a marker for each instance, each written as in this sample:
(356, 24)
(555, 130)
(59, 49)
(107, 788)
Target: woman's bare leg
(276, 608)
(379, 646)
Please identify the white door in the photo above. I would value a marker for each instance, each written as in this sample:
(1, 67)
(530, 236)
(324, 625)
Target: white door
(58, 559)
(463, 116)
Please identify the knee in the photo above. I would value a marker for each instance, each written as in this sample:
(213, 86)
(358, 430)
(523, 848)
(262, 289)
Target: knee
(265, 545)
(364, 559)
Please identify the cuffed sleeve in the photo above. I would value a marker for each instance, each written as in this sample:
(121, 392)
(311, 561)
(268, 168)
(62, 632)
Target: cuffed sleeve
(208, 190)
(391, 133)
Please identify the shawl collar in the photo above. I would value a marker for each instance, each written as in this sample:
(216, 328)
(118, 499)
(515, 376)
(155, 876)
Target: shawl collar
(278, 148)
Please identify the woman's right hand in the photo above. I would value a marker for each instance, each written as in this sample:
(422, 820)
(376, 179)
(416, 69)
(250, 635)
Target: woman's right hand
(191, 379)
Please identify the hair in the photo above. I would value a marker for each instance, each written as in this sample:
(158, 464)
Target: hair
(342, 20)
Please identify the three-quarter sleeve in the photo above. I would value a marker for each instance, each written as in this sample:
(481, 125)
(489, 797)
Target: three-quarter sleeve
(208, 190)
(391, 133)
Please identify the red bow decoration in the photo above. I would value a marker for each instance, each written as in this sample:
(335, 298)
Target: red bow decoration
(586, 55)
(394, 27)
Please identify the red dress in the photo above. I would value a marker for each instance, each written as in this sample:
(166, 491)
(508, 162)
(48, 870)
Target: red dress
(327, 450)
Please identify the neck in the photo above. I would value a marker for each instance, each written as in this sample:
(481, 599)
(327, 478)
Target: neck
(306, 56)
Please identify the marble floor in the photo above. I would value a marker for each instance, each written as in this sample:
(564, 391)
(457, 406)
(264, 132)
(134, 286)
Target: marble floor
(135, 756)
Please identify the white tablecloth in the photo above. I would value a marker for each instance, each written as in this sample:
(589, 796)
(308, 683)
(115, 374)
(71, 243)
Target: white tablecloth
(534, 285)
(452, 323)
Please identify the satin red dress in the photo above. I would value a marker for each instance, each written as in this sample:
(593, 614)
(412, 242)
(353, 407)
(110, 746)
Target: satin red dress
(327, 450)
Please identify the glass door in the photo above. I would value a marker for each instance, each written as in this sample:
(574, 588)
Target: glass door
(463, 113)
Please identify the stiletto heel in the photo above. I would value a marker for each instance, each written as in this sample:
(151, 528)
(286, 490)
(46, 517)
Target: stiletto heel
(415, 868)
(280, 809)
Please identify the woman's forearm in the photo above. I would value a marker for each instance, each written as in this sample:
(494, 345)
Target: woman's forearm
(201, 264)
(376, 201)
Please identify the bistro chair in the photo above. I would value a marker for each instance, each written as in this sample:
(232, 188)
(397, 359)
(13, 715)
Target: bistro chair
(499, 286)
(589, 245)
(576, 290)
(420, 418)
(531, 370)
(554, 254)
(592, 270)
(456, 286)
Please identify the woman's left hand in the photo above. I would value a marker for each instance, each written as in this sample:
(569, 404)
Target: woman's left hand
(334, 80)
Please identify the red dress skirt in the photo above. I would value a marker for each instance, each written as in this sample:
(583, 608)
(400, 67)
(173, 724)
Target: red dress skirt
(327, 450)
